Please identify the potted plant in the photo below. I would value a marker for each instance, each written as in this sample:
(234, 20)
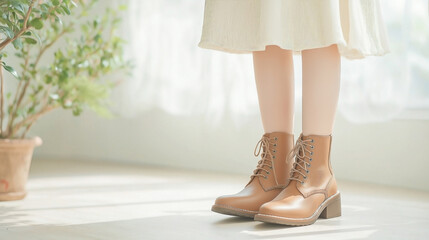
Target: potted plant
(81, 50)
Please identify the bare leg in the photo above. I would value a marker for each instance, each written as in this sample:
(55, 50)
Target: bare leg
(275, 85)
(320, 89)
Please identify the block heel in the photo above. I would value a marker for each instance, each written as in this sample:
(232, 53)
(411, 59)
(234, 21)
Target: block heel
(333, 209)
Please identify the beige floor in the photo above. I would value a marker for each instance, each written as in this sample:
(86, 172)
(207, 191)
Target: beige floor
(80, 200)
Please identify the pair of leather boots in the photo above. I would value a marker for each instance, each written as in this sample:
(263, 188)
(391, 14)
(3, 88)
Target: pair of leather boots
(291, 185)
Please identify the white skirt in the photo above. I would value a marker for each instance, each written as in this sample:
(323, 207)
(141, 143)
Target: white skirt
(243, 26)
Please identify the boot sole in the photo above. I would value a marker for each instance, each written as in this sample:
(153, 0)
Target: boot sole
(330, 208)
(228, 210)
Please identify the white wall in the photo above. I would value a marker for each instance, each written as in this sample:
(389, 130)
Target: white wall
(391, 153)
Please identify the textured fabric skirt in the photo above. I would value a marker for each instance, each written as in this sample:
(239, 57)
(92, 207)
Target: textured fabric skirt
(243, 26)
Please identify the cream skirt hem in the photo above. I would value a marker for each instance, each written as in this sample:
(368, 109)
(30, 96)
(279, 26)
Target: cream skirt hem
(244, 26)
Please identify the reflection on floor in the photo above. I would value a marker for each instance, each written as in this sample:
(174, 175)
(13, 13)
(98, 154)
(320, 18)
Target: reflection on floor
(86, 200)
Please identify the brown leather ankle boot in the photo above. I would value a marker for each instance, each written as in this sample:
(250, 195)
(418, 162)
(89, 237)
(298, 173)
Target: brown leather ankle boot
(312, 190)
(268, 179)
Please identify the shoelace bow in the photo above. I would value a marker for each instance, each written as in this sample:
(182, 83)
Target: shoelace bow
(266, 157)
(300, 166)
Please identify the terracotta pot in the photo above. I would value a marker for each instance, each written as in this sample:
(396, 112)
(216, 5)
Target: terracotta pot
(15, 160)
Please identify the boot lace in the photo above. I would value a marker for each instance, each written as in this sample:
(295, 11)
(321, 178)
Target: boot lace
(302, 160)
(267, 157)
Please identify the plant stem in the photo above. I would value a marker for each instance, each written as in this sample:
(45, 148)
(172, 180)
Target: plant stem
(42, 51)
(30, 120)
(1, 100)
(26, 130)
(24, 27)
(18, 88)
(21, 96)
(21, 93)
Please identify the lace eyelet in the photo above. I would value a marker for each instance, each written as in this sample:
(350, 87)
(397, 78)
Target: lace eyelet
(274, 150)
(274, 156)
(302, 183)
(305, 177)
(275, 144)
(311, 159)
(275, 138)
(265, 177)
(311, 153)
(311, 146)
(312, 140)
(307, 171)
(268, 173)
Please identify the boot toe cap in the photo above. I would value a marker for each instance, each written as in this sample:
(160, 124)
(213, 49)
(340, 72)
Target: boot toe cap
(238, 202)
(294, 207)
(275, 208)
(284, 209)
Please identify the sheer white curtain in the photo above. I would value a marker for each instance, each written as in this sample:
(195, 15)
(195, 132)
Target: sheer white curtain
(171, 73)
(379, 89)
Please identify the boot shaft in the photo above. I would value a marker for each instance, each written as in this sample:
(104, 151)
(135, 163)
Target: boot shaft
(313, 165)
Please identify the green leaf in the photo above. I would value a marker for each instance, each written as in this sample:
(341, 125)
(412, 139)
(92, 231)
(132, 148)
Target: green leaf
(77, 111)
(17, 43)
(31, 110)
(58, 20)
(20, 9)
(66, 10)
(59, 11)
(30, 41)
(97, 38)
(7, 31)
(11, 70)
(48, 79)
(20, 112)
(37, 23)
(55, 2)
(44, 7)
(36, 35)
(96, 22)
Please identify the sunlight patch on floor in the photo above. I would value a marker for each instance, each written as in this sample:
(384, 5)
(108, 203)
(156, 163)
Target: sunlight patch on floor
(88, 200)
